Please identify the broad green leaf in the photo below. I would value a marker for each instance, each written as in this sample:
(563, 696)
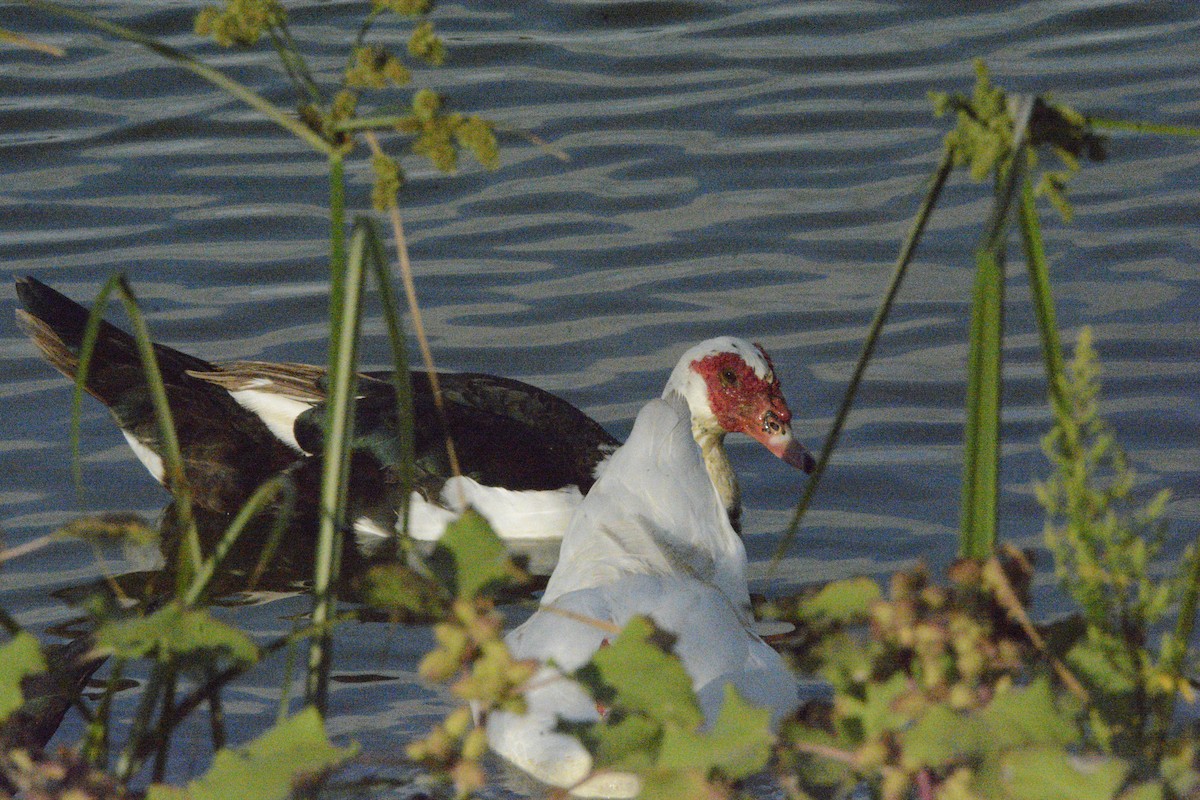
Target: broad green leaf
(876, 712)
(1144, 791)
(674, 784)
(938, 737)
(1055, 774)
(1102, 662)
(842, 601)
(395, 587)
(471, 558)
(623, 742)
(1028, 716)
(269, 768)
(175, 631)
(19, 657)
(638, 672)
(738, 744)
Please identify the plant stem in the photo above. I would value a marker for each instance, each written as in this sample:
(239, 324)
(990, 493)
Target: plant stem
(132, 756)
(907, 253)
(1043, 295)
(1143, 127)
(981, 452)
(346, 303)
(215, 77)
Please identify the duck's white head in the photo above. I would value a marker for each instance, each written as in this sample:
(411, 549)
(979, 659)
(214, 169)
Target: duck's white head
(731, 387)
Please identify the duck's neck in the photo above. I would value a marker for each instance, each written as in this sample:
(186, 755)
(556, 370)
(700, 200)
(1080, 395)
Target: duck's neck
(712, 448)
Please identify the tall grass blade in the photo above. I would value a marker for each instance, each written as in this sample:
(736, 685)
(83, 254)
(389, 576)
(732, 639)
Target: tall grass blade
(17, 40)
(981, 468)
(195, 66)
(1174, 652)
(981, 456)
(169, 451)
(401, 377)
(907, 252)
(346, 310)
(1039, 285)
(1144, 127)
(258, 501)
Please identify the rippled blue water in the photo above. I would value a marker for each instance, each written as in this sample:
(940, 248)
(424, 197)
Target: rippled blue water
(735, 167)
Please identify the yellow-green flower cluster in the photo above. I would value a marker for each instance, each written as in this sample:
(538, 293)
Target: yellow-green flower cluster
(469, 648)
(376, 68)
(425, 45)
(984, 135)
(241, 22)
(408, 8)
(438, 133)
(388, 180)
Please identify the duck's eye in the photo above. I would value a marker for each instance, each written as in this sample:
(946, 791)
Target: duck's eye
(729, 377)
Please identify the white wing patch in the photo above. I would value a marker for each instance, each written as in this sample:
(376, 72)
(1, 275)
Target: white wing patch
(277, 412)
(150, 459)
(527, 514)
(513, 514)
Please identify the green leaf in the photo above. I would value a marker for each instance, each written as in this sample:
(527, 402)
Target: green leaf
(174, 632)
(1028, 716)
(842, 601)
(269, 768)
(1055, 774)
(981, 467)
(1144, 791)
(638, 672)
(623, 742)
(938, 737)
(470, 558)
(686, 784)
(738, 744)
(876, 711)
(19, 657)
(397, 588)
(1103, 663)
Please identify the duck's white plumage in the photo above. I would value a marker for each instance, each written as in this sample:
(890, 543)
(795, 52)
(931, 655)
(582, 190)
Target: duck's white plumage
(653, 511)
(651, 537)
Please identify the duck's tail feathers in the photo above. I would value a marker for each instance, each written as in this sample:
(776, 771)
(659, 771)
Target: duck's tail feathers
(56, 325)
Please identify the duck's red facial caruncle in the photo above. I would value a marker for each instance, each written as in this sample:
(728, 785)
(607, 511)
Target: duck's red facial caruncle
(745, 402)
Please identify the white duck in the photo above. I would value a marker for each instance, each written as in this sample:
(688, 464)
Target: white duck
(651, 537)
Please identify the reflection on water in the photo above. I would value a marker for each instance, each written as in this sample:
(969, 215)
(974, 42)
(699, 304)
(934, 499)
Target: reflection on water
(738, 168)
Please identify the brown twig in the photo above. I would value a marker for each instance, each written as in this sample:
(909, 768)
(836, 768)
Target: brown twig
(1006, 595)
(410, 293)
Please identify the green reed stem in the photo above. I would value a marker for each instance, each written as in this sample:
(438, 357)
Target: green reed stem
(294, 64)
(345, 312)
(401, 377)
(907, 252)
(981, 451)
(132, 756)
(1039, 286)
(262, 496)
(169, 450)
(1144, 127)
(181, 59)
(163, 733)
(206, 692)
(95, 743)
